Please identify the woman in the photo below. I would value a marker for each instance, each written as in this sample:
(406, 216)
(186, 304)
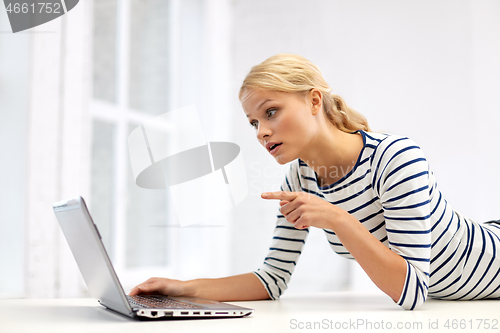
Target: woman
(373, 194)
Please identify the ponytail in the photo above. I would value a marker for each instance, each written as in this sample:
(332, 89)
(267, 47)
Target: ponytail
(343, 116)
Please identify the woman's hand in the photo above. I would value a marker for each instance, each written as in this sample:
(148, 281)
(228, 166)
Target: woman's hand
(306, 210)
(163, 286)
(243, 287)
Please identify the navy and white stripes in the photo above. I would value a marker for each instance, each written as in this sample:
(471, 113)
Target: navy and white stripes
(393, 193)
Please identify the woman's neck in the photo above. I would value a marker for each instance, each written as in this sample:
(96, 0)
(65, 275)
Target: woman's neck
(333, 154)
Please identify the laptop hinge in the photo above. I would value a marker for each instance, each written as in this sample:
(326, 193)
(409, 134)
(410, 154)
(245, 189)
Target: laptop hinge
(117, 309)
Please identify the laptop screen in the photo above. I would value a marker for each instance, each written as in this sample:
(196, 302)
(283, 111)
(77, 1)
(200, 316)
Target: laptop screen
(85, 243)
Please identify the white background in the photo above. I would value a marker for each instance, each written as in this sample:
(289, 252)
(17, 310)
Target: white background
(428, 70)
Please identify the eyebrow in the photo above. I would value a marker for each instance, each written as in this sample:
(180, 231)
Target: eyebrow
(260, 105)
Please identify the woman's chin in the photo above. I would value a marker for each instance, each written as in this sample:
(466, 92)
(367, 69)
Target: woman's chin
(281, 160)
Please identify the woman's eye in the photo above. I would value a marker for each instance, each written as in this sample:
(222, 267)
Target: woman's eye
(271, 112)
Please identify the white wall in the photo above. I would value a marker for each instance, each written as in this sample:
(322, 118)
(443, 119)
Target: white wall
(14, 83)
(424, 69)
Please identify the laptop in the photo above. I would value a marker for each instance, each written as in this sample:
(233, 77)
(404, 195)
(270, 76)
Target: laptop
(102, 282)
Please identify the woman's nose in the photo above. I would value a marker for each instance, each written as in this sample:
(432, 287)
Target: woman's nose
(263, 131)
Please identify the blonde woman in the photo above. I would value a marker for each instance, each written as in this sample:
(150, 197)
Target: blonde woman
(373, 194)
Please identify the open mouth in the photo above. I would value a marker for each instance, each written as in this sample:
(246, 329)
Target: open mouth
(274, 148)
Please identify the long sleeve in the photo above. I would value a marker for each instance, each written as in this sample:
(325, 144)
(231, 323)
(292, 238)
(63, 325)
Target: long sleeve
(286, 247)
(401, 180)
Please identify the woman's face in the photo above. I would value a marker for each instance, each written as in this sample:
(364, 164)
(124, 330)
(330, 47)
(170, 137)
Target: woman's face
(283, 122)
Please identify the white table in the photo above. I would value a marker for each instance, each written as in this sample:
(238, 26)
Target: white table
(327, 312)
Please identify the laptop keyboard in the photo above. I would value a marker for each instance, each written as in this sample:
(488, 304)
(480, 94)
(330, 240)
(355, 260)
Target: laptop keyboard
(159, 302)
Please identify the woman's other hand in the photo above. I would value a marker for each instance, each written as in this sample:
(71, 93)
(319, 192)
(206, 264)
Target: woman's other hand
(162, 286)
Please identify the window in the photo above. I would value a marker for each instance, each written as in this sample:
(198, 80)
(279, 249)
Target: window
(151, 57)
(14, 76)
(132, 75)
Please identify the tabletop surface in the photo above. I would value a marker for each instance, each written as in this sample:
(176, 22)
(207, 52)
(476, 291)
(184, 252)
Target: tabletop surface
(325, 312)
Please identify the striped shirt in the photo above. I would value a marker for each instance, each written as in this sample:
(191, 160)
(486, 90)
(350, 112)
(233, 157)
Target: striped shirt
(392, 192)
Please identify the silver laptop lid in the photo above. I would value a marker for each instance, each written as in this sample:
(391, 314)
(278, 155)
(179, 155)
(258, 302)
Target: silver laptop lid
(85, 242)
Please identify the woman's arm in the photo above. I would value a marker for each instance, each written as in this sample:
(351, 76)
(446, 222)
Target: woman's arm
(384, 267)
(244, 287)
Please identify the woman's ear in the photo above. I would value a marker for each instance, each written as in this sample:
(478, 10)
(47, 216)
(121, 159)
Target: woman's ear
(316, 100)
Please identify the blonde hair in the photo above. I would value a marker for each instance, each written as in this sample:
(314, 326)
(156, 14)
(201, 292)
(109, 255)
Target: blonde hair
(294, 74)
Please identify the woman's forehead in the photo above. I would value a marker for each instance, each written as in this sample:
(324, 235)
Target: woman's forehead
(250, 94)
(255, 97)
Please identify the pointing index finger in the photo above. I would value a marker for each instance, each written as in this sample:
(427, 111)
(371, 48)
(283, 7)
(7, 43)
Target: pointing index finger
(280, 195)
